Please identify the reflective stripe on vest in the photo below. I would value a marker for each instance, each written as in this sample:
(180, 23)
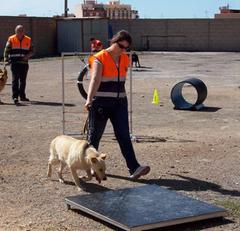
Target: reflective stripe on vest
(17, 55)
(111, 94)
(19, 48)
(113, 77)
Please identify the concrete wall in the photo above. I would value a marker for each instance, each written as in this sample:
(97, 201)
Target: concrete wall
(67, 32)
(74, 34)
(97, 29)
(148, 34)
(224, 35)
(182, 34)
(41, 30)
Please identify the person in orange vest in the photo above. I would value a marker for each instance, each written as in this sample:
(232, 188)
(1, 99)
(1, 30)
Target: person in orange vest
(96, 45)
(107, 99)
(17, 52)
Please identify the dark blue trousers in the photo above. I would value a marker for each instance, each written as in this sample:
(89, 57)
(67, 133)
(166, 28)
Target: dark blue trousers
(19, 77)
(115, 109)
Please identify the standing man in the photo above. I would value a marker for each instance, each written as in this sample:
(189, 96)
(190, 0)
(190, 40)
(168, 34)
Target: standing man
(96, 45)
(17, 52)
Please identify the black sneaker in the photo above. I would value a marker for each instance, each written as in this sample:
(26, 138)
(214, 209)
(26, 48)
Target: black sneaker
(24, 99)
(15, 101)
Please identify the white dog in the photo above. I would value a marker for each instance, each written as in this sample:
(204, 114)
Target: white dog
(76, 154)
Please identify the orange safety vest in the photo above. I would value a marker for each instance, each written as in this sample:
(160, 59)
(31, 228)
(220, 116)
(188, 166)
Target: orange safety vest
(90, 61)
(19, 48)
(113, 76)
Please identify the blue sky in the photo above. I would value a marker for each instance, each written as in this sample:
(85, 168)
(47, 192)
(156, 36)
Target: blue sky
(146, 8)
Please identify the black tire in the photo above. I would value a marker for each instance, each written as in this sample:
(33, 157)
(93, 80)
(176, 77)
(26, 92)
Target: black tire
(80, 81)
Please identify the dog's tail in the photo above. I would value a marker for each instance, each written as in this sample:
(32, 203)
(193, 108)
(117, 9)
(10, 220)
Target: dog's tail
(53, 158)
(53, 153)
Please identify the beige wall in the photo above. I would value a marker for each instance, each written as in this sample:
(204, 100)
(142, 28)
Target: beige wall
(41, 30)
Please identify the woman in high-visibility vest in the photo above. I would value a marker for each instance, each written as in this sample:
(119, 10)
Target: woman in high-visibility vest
(107, 99)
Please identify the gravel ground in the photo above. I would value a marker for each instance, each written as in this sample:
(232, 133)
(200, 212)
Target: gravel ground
(195, 153)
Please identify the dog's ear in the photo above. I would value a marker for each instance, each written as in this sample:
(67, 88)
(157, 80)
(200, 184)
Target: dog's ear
(103, 156)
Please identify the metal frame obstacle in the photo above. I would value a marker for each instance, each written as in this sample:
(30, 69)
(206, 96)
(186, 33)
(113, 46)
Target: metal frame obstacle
(84, 94)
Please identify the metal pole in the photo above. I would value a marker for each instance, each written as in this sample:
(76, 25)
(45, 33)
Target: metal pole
(130, 112)
(66, 8)
(63, 96)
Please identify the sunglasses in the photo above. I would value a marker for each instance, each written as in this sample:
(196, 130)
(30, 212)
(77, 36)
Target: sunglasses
(121, 46)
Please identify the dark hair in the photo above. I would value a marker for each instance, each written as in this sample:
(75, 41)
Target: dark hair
(122, 35)
(91, 39)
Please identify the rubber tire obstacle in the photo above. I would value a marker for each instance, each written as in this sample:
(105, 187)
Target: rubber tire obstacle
(82, 91)
(178, 99)
(80, 81)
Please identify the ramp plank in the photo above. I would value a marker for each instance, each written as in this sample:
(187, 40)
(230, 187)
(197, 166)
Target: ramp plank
(144, 207)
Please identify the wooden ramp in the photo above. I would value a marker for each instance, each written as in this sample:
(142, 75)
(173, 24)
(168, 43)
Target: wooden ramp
(144, 207)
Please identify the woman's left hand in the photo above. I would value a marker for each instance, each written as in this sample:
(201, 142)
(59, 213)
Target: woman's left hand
(88, 104)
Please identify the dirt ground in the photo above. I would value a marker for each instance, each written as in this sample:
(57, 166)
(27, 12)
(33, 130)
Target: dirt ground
(195, 153)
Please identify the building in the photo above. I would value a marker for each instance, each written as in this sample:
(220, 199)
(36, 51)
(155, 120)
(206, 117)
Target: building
(112, 10)
(90, 9)
(225, 12)
(116, 10)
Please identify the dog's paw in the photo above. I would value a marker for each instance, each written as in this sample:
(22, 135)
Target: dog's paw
(96, 176)
(61, 181)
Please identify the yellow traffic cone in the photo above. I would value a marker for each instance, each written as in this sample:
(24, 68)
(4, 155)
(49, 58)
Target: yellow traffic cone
(155, 97)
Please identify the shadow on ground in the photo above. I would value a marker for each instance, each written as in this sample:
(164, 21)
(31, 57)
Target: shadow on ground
(187, 184)
(89, 187)
(210, 109)
(51, 104)
(203, 109)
